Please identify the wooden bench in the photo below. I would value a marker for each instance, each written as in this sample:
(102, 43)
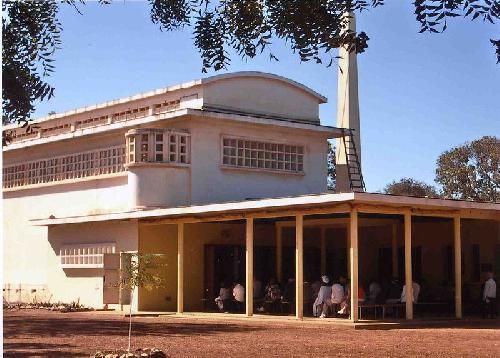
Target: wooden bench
(382, 306)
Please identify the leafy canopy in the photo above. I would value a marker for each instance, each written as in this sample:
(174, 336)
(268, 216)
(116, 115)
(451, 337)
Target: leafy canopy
(471, 171)
(311, 28)
(411, 187)
(143, 270)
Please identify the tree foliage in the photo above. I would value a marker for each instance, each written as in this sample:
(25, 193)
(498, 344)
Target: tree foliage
(311, 28)
(411, 187)
(31, 35)
(141, 270)
(331, 172)
(471, 171)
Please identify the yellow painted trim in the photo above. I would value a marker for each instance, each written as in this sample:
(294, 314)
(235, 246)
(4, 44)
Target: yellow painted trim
(299, 266)
(353, 263)
(458, 266)
(180, 268)
(408, 266)
(249, 267)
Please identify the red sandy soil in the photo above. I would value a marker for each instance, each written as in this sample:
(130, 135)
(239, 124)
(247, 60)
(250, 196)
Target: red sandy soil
(40, 333)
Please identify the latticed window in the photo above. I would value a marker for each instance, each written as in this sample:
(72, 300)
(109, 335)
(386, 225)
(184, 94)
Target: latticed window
(85, 255)
(74, 166)
(158, 146)
(245, 153)
(167, 106)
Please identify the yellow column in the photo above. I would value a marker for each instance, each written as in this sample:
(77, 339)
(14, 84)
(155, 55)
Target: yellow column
(323, 251)
(249, 267)
(180, 268)
(348, 246)
(408, 272)
(458, 266)
(395, 269)
(299, 261)
(279, 253)
(353, 263)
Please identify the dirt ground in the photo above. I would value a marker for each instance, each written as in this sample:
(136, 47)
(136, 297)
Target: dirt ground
(39, 333)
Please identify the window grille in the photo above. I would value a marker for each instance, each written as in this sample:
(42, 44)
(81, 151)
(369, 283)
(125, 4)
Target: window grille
(50, 131)
(167, 106)
(130, 114)
(20, 134)
(74, 166)
(91, 122)
(85, 255)
(158, 146)
(244, 153)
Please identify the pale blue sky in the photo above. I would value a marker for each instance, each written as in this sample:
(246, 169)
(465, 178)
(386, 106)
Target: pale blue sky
(420, 94)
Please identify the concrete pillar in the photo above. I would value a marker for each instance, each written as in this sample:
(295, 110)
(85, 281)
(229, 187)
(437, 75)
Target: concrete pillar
(279, 253)
(323, 251)
(299, 262)
(249, 267)
(458, 266)
(180, 268)
(353, 263)
(408, 266)
(347, 108)
(395, 269)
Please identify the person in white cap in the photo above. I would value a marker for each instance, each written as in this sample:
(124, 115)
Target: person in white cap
(323, 301)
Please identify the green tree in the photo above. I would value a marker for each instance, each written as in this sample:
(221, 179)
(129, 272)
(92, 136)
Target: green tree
(142, 270)
(471, 171)
(311, 28)
(411, 187)
(330, 162)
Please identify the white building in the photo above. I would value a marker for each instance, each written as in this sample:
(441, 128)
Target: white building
(224, 138)
(176, 171)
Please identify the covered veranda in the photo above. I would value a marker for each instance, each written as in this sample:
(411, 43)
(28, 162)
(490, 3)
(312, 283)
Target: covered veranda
(301, 238)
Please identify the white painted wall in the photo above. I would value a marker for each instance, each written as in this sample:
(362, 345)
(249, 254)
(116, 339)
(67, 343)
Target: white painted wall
(213, 183)
(27, 253)
(31, 253)
(262, 95)
(84, 285)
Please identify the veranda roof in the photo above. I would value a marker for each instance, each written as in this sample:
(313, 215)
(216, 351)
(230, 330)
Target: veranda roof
(289, 206)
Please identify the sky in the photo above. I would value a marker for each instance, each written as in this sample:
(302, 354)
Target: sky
(420, 94)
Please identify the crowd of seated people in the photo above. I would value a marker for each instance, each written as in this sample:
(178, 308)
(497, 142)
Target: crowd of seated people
(329, 299)
(231, 298)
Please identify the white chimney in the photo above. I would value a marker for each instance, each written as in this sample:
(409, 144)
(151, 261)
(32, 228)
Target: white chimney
(347, 108)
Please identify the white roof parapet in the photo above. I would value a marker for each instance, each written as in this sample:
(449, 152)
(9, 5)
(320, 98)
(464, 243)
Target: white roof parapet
(321, 98)
(331, 131)
(280, 203)
(185, 85)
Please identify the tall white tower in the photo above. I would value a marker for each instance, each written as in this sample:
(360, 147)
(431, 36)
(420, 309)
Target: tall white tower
(347, 109)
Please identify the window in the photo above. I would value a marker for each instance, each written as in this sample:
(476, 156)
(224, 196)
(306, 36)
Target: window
(74, 166)
(158, 146)
(244, 153)
(85, 255)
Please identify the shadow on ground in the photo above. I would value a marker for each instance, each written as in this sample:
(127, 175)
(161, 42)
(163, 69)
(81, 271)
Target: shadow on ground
(61, 325)
(38, 350)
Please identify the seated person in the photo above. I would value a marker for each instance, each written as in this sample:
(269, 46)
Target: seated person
(338, 296)
(374, 291)
(394, 291)
(272, 296)
(239, 297)
(323, 301)
(223, 301)
(289, 294)
(257, 288)
(416, 292)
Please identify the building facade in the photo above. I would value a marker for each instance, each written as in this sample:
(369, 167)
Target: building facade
(225, 177)
(225, 138)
